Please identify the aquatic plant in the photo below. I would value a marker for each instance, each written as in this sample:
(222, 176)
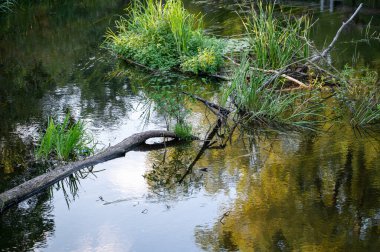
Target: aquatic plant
(276, 41)
(359, 91)
(65, 141)
(183, 131)
(165, 37)
(271, 106)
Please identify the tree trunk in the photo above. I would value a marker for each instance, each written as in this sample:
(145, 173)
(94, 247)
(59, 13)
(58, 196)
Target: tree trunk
(35, 185)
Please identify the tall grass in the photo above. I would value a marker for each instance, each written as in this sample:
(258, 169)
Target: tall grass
(276, 39)
(183, 131)
(270, 106)
(65, 141)
(359, 91)
(6, 5)
(165, 36)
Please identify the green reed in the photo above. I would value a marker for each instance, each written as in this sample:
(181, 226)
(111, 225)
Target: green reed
(276, 39)
(65, 141)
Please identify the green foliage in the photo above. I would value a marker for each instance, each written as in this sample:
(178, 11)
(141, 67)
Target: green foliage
(270, 106)
(165, 37)
(359, 90)
(183, 131)
(276, 41)
(208, 58)
(65, 141)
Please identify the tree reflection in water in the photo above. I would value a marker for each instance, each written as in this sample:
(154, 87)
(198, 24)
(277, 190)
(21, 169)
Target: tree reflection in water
(315, 194)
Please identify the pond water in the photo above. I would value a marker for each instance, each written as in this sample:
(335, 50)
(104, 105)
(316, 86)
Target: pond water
(266, 190)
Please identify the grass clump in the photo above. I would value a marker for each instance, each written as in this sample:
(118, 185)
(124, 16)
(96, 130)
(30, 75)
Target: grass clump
(165, 37)
(359, 91)
(65, 141)
(270, 106)
(183, 131)
(276, 41)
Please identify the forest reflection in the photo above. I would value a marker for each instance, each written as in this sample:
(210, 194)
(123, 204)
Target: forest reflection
(306, 193)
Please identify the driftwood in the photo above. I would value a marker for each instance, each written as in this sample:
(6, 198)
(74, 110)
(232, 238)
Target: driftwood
(35, 185)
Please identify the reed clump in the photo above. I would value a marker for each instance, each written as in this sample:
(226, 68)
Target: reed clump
(276, 39)
(359, 91)
(65, 141)
(165, 36)
(183, 131)
(269, 106)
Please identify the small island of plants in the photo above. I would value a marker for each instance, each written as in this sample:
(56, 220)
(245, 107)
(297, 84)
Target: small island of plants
(165, 37)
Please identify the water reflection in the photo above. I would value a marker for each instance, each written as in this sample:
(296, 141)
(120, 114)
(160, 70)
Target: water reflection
(294, 192)
(323, 195)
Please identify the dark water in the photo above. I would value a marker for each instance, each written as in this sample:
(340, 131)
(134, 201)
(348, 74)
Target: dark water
(264, 191)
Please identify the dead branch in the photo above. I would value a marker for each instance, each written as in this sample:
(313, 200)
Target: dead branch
(35, 185)
(289, 78)
(335, 39)
(216, 109)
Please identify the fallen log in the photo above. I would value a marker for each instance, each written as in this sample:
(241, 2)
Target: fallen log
(35, 185)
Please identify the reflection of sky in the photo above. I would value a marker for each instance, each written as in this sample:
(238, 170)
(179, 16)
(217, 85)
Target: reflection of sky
(115, 211)
(133, 222)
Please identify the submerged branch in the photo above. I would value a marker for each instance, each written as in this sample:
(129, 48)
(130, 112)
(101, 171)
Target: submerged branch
(216, 109)
(35, 185)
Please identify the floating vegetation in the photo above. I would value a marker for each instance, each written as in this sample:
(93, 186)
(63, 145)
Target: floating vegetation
(165, 37)
(65, 141)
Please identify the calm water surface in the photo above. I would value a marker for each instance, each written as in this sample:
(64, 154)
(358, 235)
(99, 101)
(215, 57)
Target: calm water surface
(264, 191)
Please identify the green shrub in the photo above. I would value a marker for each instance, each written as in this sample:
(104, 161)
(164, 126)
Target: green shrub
(65, 141)
(165, 37)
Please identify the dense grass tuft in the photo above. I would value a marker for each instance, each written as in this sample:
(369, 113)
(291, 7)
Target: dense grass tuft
(269, 106)
(359, 91)
(276, 41)
(183, 131)
(165, 37)
(65, 141)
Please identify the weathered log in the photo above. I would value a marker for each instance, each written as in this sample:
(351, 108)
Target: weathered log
(35, 185)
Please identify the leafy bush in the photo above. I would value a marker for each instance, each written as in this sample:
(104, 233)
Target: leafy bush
(65, 141)
(165, 37)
